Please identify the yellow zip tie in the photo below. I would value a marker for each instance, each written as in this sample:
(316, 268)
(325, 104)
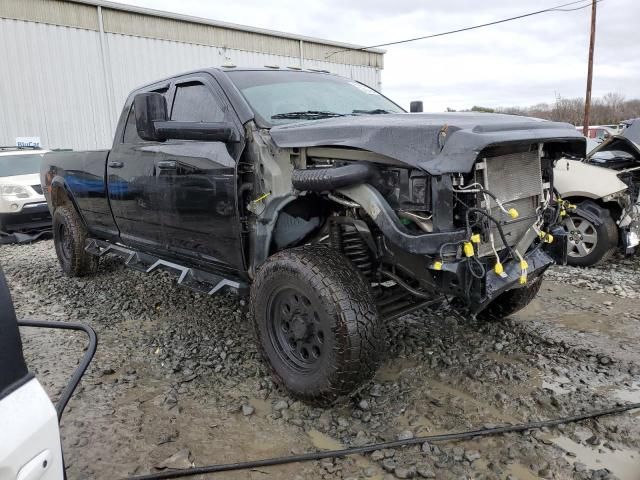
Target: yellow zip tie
(437, 265)
(475, 238)
(546, 237)
(261, 197)
(523, 269)
(468, 249)
(513, 213)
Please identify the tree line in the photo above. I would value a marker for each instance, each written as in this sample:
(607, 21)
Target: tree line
(612, 108)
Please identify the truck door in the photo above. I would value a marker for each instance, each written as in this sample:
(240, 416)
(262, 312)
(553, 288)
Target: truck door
(132, 187)
(197, 181)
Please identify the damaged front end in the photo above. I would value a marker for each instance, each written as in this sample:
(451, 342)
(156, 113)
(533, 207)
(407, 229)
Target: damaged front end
(419, 237)
(629, 221)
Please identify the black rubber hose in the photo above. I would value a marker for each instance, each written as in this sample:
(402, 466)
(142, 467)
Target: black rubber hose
(406, 286)
(307, 457)
(321, 179)
(81, 368)
(497, 224)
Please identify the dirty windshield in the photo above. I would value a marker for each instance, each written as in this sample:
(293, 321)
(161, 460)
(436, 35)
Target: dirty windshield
(12, 165)
(279, 97)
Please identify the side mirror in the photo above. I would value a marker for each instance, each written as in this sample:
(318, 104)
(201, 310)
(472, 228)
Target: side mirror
(153, 124)
(416, 106)
(149, 108)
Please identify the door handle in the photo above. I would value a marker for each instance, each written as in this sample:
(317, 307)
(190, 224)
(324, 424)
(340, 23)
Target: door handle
(115, 164)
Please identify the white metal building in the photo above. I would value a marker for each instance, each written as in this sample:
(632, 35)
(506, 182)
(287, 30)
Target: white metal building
(67, 65)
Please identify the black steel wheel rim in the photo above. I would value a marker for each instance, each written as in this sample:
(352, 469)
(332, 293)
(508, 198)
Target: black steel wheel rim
(295, 329)
(65, 242)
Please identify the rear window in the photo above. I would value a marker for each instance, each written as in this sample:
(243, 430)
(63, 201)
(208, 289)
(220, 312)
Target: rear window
(12, 165)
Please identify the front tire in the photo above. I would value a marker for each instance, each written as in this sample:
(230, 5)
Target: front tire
(590, 244)
(69, 236)
(316, 323)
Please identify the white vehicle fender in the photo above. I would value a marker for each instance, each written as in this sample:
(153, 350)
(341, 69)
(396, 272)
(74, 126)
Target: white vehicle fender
(573, 178)
(29, 435)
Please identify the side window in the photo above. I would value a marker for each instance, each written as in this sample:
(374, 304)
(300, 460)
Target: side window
(194, 102)
(130, 130)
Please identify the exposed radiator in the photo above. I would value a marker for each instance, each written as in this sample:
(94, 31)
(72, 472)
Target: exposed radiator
(516, 179)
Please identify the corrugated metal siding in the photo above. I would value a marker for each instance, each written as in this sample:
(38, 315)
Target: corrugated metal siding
(55, 12)
(136, 61)
(55, 88)
(66, 13)
(329, 53)
(58, 88)
(168, 29)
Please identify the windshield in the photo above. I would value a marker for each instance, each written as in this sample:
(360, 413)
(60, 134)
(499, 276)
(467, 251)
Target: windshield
(279, 97)
(12, 165)
(606, 155)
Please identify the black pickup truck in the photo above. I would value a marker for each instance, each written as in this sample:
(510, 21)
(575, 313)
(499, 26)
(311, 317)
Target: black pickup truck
(334, 208)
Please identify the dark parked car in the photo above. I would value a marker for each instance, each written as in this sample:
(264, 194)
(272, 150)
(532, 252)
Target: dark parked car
(334, 207)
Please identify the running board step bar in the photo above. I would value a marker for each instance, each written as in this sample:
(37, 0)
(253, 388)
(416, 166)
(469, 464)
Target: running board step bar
(198, 280)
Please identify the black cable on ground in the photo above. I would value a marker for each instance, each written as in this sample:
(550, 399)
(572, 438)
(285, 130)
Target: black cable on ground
(86, 359)
(307, 457)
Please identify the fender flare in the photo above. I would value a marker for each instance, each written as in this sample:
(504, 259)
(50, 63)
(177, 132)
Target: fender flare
(59, 182)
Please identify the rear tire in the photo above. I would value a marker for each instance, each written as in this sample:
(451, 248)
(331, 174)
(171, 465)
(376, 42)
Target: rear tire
(590, 244)
(316, 323)
(69, 236)
(511, 301)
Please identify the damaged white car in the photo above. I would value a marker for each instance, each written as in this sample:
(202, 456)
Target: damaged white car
(603, 190)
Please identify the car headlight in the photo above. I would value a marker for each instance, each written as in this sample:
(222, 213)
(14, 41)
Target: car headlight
(17, 191)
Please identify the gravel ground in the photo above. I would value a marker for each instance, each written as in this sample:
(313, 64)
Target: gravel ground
(177, 381)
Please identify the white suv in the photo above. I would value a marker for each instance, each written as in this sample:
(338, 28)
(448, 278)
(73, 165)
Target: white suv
(22, 203)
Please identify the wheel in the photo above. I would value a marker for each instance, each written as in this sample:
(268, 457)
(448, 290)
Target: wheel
(316, 323)
(590, 244)
(69, 235)
(511, 301)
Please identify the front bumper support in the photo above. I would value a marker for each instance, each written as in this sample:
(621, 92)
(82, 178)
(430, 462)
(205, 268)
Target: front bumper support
(455, 279)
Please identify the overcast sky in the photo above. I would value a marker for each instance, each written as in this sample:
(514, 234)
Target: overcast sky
(517, 63)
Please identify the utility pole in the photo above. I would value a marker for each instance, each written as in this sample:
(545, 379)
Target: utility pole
(592, 42)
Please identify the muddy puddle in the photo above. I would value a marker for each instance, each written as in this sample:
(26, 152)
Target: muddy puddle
(624, 464)
(181, 382)
(629, 394)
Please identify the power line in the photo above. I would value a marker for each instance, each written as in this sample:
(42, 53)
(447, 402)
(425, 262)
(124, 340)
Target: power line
(557, 8)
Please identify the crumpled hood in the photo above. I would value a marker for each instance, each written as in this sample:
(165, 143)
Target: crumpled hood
(632, 132)
(628, 140)
(413, 138)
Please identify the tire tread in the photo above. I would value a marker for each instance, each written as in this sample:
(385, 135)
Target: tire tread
(339, 284)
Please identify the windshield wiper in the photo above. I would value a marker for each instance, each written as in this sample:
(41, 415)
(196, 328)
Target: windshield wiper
(309, 114)
(376, 111)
